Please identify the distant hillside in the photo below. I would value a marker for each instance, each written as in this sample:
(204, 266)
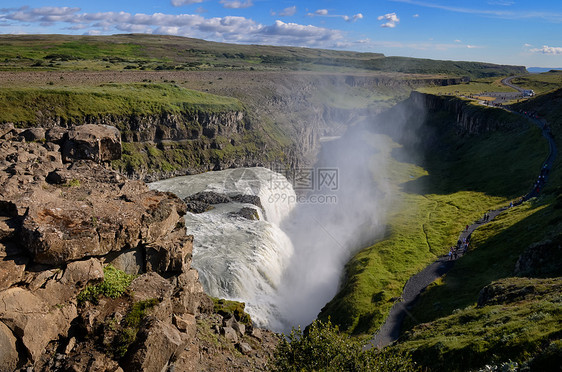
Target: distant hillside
(157, 52)
(542, 69)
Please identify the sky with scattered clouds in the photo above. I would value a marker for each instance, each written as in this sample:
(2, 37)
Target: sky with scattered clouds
(499, 31)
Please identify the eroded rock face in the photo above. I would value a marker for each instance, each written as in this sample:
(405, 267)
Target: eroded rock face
(60, 224)
(92, 142)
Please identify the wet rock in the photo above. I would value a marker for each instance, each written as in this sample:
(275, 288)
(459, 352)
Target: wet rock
(209, 197)
(196, 206)
(247, 213)
(249, 199)
(92, 142)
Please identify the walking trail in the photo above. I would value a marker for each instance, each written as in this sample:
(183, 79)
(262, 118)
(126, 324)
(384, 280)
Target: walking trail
(390, 330)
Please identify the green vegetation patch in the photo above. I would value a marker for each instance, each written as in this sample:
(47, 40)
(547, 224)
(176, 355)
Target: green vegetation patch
(228, 308)
(517, 328)
(322, 347)
(469, 88)
(541, 83)
(453, 184)
(130, 326)
(114, 284)
(30, 106)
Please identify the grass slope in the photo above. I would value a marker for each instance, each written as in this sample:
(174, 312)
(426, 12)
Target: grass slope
(459, 179)
(27, 105)
(521, 325)
(157, 52)
(448, 328)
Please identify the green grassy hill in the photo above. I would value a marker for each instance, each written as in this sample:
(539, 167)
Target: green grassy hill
(155, 52)
(454, 183)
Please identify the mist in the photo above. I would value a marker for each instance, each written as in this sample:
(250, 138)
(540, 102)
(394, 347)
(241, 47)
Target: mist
(334, 221)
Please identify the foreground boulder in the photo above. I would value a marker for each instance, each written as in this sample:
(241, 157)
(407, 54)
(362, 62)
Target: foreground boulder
(92, 142)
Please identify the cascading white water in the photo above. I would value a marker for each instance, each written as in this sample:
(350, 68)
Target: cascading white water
(237, 258)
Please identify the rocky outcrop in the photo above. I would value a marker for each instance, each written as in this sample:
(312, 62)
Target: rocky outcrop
(470, 118)
(92, 142)
(541, 260)
(61, 224)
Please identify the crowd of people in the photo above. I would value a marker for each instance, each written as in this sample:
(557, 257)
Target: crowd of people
(457, 250)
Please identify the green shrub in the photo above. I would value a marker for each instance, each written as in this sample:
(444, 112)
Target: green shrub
(229, 308)
(114, 284)
(131, 324)
(322, 347)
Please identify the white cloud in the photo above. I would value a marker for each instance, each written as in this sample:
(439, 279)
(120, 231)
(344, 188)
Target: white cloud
(325, 13)
(471, 46)
(457, 41)
(185, 2)
(548, 50)
(356, 17)
(527, 45)
(228, 29)
(236, 4)
(390, 18)
(416, 15)
(287, 12)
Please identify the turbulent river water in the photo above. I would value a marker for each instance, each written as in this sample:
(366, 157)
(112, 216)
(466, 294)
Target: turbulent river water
(288, 264)
(239, 258)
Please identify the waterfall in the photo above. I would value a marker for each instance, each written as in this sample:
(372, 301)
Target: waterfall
(237, 258)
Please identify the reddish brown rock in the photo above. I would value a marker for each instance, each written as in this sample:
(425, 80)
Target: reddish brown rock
(92, 142)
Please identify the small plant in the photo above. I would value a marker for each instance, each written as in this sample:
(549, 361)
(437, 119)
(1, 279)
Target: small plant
(131, 324)
(114, 284)
(73, 183)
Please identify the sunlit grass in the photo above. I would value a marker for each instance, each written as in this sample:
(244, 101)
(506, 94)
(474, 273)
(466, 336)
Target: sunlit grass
(435, 199)
(21, 105)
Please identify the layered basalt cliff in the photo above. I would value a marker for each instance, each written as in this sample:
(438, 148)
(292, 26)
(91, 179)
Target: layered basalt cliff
(471, 118)
(63, 220)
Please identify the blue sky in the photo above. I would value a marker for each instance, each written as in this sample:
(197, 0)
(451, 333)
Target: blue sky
(499, 31)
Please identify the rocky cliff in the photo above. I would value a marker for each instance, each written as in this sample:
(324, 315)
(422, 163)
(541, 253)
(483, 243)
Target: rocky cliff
(471, 118)
(95, 269)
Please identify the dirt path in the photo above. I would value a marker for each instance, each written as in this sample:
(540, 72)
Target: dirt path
(390, 330)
